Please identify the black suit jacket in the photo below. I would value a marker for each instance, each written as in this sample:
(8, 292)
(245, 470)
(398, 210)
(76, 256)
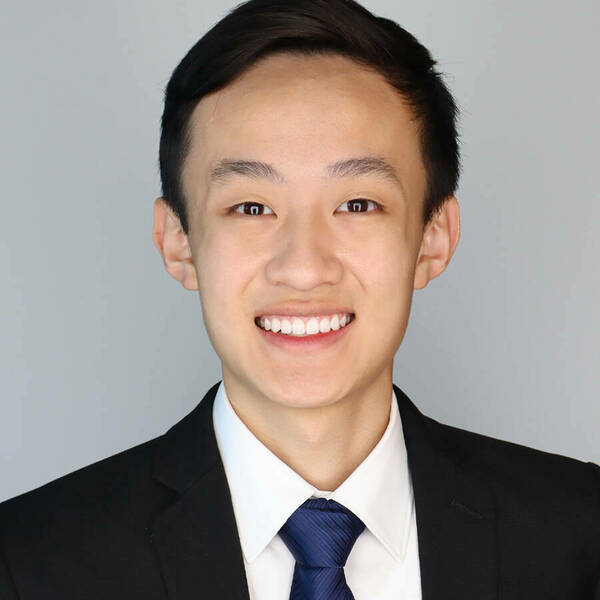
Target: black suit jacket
(494, 520)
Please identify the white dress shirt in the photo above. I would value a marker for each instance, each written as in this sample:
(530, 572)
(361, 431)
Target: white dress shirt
(383, 563)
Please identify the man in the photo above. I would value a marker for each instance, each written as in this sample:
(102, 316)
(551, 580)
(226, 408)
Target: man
(309, 159)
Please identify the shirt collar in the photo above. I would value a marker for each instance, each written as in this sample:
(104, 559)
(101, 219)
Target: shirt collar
(265, 491)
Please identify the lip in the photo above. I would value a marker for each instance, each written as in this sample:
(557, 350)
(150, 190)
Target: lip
(290, 309)
(305, 344)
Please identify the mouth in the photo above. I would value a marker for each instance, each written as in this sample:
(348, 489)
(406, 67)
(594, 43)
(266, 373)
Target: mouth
(304, 326)
(299, 342)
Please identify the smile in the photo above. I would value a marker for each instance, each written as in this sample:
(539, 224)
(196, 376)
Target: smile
(304, 326)
(295, 341)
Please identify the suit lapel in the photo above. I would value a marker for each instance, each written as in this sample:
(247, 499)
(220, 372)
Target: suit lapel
(197, 541)
(456, 522)
(196, 537)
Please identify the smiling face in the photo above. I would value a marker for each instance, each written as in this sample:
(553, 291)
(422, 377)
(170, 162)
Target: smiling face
(276, 162)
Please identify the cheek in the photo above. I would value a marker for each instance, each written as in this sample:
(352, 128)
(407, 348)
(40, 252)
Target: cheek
(223, 276)
(223, 273)
(385, 263)
(386, 273)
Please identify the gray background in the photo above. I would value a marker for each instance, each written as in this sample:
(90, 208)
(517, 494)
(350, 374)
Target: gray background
(102, 350)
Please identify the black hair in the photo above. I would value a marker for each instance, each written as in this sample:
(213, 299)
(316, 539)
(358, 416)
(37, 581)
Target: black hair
(257, 28)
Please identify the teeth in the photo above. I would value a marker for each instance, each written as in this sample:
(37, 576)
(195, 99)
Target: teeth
(312, 326)
(299, 327)
(335, 323)
(324, 325)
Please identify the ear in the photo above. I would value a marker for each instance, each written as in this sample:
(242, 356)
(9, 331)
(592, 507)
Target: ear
(438, 244)
(172, 243)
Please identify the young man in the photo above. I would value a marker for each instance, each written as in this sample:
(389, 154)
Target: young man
(309, 159)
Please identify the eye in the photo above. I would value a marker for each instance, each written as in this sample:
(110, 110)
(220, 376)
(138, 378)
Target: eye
(357, 204)
(253, 210)
(257, 209)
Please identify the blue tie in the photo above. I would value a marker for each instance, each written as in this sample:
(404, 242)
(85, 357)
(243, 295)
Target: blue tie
(320, 534)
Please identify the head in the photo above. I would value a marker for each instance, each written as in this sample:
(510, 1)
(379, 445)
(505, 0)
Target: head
(309, 159)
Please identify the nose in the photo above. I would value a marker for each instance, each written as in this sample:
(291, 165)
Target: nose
(304, 255)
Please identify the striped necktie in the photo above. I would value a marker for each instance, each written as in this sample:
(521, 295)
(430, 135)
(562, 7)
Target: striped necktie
(320, 534)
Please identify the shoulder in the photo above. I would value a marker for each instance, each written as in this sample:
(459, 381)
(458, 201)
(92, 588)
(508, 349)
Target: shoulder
(100, 493)
(101, 476)
(528, 478)
(92, 520)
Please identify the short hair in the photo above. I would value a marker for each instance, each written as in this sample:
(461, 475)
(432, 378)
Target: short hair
(256, 29)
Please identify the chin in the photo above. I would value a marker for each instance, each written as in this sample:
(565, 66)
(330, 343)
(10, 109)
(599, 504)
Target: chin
(304, 391)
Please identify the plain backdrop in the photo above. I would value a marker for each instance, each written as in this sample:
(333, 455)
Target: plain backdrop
(101, 350)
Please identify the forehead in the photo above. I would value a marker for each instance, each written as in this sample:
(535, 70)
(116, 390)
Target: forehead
(305, 112)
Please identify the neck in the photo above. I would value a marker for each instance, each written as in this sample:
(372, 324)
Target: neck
(323, 444)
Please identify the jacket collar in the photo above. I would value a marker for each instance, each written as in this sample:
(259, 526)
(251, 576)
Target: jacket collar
(456, 521)
(197, 541)
(196, 538)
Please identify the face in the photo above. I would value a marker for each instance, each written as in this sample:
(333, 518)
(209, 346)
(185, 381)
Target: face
(313, 233)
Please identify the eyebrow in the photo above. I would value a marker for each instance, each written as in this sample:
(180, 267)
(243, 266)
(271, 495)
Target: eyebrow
(351, 167)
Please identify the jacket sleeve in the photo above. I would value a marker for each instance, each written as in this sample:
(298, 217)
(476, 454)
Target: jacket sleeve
(596, 469)
(7, 587)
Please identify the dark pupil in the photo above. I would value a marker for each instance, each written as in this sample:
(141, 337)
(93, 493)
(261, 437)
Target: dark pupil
(255, 209)
(356, 205)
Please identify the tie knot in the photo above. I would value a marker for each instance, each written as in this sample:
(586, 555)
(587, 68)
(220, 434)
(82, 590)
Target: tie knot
(321, 533)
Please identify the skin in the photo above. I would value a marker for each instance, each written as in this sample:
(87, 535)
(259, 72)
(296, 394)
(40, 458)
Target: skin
(320, 413)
